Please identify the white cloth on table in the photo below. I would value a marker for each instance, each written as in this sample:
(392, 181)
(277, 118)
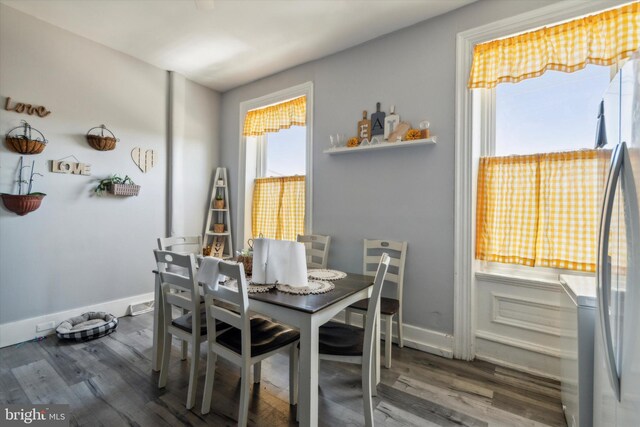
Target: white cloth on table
(279, 261)
(209, 272)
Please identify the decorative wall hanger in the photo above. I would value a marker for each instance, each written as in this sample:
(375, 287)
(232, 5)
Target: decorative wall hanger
(30, 109)
(145, 160)
(73, 168)
(101, 142)
(26, 143)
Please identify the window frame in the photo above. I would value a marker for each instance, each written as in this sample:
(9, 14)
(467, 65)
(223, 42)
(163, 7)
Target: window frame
(252, 151)
(467, 152)
(484, 110)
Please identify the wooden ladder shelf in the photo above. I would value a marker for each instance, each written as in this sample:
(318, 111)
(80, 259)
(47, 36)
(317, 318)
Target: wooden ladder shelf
(220, 241)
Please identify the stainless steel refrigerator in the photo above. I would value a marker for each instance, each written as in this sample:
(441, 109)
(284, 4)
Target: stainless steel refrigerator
(617, 335)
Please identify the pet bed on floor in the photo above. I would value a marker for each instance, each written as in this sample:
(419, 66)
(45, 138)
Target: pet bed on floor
(87, 326)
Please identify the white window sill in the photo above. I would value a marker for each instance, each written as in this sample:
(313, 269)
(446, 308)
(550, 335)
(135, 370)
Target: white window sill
(548, 279)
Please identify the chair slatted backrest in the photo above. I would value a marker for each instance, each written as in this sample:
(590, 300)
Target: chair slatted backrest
(317, 249)
(239, 316)
(181, 244)
(177, 273)
(397, 252)
(374, 302)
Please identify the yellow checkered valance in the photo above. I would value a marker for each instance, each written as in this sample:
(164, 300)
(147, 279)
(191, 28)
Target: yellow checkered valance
(541, 209)
(278, 207)
(601, 39)
(276, 117)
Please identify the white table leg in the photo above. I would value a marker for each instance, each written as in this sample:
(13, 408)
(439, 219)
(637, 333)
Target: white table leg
(158, 322)
(308, 388)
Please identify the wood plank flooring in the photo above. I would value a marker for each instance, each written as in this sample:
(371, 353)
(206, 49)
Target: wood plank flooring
(109, 382)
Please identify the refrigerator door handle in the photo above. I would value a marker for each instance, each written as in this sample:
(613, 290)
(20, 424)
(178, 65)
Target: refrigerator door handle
(604, 266)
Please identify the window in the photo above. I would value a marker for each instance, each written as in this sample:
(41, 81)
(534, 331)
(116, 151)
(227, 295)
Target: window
(285, 152)
(278, 204)
(554, 112)
(275, 163)
(538, 198)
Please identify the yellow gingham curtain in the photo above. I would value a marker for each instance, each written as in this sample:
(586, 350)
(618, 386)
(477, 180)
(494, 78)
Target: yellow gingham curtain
(507, 209)
(601, 39)
(541, 210)
(276, 117)
(278, 207)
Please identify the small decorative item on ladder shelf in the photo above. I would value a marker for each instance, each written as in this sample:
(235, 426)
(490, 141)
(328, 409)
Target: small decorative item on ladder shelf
(22, 204)
(117, 186)
(218, 203)
(218, 228)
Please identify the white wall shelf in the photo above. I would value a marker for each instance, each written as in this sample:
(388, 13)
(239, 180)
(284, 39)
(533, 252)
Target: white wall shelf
(380, 146)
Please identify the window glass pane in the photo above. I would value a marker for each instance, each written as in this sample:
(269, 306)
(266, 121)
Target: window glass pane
(554, 112)
(286, 152)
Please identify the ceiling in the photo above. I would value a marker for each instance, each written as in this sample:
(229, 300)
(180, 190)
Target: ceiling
(226, 43)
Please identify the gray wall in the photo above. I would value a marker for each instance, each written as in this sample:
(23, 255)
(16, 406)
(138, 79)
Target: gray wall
(77, 249)
(404, 194)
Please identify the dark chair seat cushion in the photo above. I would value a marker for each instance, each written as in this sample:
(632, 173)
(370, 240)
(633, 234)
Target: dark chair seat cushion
(266, 336)
(388, 306)
(186, 323)
(340, 339)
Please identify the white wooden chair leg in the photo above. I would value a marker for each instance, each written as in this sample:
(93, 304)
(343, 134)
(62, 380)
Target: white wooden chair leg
(208, 382)
(347, 316)
(367, 391)
(400, 338)
(185, 344)
(243, 412)
(166, 353)
(193, 372)
(257, 372)
(293, 374)
(388, 339)
(185, 350)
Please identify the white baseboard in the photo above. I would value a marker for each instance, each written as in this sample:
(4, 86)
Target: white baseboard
(25, 329)
(518, 367)
(422, 339)
(519, 355)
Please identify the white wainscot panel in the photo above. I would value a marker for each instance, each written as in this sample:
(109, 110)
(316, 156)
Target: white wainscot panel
(520, 323)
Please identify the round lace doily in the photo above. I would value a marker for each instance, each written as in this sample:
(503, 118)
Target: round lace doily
(321, 274)
(314, 287)
(252, 288)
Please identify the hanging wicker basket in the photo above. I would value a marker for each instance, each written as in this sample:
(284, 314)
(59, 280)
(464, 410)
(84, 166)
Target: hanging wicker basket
(102, 142)
(25, 143)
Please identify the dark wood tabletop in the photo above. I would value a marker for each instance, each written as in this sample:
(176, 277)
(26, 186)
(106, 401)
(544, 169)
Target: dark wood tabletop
(344, 288)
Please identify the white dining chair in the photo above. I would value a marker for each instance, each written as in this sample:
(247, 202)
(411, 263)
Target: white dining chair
(182, 245)
(248, 342)
(389, 307)
(181, 290)
(317, 249)
(352, 344)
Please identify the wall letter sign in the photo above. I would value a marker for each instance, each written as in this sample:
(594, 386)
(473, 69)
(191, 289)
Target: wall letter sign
(29, 109)
(59, 166)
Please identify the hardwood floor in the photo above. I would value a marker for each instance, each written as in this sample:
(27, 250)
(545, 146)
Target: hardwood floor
(109, 382)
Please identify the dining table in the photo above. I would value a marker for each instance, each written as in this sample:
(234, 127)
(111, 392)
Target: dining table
(305, 313)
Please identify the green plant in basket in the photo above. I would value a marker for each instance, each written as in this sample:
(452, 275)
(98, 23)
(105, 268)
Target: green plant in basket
(106, 183)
